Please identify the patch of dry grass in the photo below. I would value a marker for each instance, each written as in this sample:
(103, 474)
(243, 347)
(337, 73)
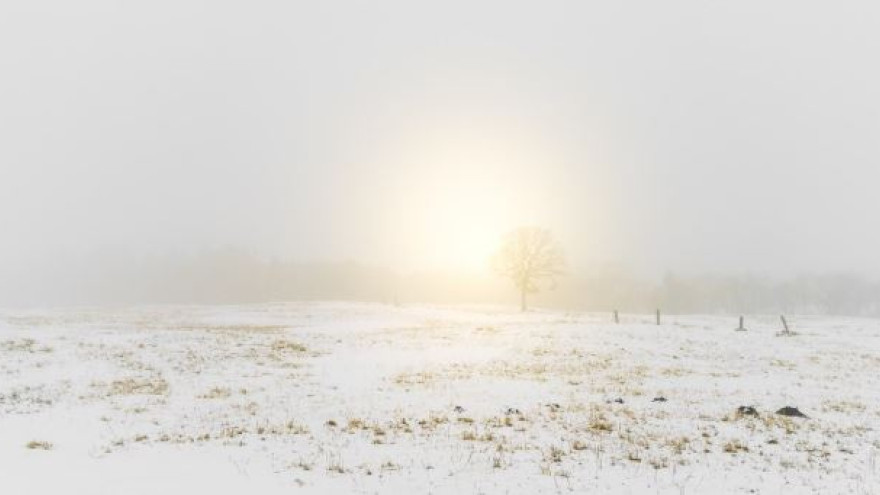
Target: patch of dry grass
(734, 446)
(282, 345)
(23, 345)
(217, 393)
(139, 386)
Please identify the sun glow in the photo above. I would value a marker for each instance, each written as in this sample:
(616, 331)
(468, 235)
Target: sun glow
(452, 207)
(468, 219)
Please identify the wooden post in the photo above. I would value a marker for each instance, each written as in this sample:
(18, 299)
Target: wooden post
(616, 317)
(741, 327)
(787, 331)
(658, 316)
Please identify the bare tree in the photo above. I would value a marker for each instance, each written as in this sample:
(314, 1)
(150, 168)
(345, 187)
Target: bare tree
(530, 257)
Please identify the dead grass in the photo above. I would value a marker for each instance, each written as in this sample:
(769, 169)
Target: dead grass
(843, 406)
(475, 436)
(39, 445)
(282, 345)
(139, 386)
(217, 393)
(554, 454)
(734, 446)
(599, 421)
(230, 432)
(23, 345)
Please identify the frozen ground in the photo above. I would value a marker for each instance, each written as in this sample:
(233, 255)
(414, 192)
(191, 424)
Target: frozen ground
(348, 398)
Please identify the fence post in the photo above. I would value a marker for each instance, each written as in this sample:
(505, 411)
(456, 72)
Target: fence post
(616, 317)
(658, 316)
(787, 331)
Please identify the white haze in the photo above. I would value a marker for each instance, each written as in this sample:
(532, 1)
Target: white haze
(738, 139)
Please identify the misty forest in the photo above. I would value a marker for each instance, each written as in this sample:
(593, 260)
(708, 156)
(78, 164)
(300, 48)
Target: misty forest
(452, 247)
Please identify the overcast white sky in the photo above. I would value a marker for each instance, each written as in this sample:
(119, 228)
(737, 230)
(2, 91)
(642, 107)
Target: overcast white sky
(685, 136)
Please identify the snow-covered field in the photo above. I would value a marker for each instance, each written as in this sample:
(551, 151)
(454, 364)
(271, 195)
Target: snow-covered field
(358, 398)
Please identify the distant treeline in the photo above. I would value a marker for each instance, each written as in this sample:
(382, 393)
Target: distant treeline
(234, 276)
(837, 294)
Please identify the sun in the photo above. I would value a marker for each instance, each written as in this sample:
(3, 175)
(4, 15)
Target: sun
(453, 218)
(455, 192)
(470, 219)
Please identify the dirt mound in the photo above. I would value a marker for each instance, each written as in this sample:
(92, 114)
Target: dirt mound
(791, 412)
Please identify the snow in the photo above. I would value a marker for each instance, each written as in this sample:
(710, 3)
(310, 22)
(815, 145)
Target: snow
(360, 398)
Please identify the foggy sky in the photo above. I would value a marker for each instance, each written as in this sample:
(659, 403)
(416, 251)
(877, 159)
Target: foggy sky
(685, 136)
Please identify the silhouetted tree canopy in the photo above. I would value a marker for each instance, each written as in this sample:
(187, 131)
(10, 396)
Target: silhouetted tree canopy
(530, 257)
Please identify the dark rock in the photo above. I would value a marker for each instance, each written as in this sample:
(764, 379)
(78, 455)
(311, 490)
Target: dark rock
(554, 406)
(458, 409)
(792, 412)
(512, 410)
(659, 399)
